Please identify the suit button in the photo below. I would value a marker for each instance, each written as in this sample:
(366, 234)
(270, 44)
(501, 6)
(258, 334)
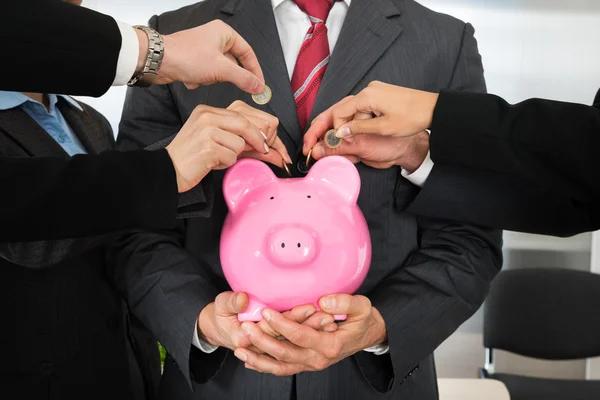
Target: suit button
(46, 369)
(302, 167)
(113, 324)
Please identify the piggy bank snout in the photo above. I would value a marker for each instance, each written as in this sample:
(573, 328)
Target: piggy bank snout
(292, 245)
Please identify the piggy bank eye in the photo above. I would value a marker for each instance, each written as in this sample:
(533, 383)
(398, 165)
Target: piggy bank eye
(272, 197)
(308, 196)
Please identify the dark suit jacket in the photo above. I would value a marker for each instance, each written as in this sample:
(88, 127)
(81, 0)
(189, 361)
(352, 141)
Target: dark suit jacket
(55, 47)
(427, 276)
(67, 332)
(531, 167)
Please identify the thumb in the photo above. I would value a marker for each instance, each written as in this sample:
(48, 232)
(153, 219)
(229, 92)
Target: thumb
(345, 304)
(351, 151)
(317, 130)
(191, 86)
(230, 303)
(230, 71)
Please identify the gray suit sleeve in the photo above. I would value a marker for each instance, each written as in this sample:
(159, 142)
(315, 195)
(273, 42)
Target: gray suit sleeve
(445, 281)
(468, 70)
(431, 295)
(166, 288)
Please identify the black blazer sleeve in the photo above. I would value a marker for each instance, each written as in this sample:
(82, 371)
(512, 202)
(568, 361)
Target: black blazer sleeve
(533, 166)
(55, 47)
(54, 198)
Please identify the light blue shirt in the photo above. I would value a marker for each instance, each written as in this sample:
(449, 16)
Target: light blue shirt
(51, 121)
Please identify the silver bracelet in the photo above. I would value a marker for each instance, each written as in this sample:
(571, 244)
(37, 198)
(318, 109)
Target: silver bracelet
(156, 52)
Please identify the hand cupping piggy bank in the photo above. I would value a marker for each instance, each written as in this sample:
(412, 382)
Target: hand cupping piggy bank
(288, 242)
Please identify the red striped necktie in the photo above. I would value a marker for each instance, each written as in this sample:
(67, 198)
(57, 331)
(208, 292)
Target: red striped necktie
(312, 59)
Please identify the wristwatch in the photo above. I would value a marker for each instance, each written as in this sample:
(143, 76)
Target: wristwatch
(156, 52)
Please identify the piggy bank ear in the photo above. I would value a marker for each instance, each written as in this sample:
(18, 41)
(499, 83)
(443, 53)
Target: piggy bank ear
(340, 174)
(242, 177)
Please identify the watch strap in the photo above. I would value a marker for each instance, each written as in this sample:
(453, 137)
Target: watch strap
(154, 57)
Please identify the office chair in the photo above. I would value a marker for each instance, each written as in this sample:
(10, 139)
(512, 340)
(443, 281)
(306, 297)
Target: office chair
(544, 313)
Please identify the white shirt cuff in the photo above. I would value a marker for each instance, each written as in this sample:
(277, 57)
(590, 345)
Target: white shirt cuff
(128, 56)
(379, 349)
(201, 344)
(419, 177)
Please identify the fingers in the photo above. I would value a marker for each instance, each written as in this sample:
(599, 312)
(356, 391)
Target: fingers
(267, 123)
(320, 125)
(274, 157)
(230, 57)
(353, 306)
(298, 334)
(250, 78)
(317, 130)
(297, 314)
(229, 140)
(228, 71)
(319, 321)
(223, 158)
(278, 349)
(265, 364)
(233, 122)
(230, 303)
(301, 313)
(345, 111)
(352, 151)
(382, 126)
(281, 149)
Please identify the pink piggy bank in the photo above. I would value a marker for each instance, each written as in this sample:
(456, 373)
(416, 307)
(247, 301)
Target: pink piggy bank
(288, 242)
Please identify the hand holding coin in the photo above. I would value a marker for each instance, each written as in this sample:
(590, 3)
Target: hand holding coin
(331, 140)
(264, 97)
(267, 124)
(373, 150)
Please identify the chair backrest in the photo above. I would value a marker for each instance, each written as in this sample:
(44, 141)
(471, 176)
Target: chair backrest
(546, 313)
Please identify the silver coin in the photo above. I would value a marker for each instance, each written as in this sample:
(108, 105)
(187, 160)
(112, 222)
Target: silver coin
(331, 140)
(264, 97)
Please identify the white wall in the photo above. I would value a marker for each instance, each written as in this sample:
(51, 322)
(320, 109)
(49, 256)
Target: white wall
(535, 48)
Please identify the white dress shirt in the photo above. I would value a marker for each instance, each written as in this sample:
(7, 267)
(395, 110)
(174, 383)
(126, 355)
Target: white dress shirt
(292, 25)
(128, 55)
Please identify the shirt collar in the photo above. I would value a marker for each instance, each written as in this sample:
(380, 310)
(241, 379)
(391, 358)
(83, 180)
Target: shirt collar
(10, 100)
(277, 3)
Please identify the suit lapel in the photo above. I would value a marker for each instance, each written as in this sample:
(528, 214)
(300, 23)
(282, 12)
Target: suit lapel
(370, 27)
(87, 130)
(255, 22)
(22, 129)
